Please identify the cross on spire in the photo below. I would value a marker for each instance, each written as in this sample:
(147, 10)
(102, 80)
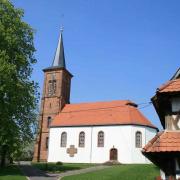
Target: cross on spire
(61, 29)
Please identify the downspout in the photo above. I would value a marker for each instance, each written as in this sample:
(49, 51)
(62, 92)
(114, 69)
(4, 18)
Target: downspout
(133, 142)
(91, 145)
(145, 144)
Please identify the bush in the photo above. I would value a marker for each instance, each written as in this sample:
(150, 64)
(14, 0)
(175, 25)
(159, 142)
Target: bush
(59, 163)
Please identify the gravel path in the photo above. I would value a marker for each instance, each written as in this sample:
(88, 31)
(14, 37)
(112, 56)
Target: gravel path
(33, 173)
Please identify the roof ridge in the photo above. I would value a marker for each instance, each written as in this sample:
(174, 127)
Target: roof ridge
(93, 109)
(94, 102)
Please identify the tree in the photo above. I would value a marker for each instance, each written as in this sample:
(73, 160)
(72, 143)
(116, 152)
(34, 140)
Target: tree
(18, 92)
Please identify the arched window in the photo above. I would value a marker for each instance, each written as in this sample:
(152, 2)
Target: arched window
(138, 139)
(81, 139)
(100, 139)
(63, 139)
(48, 121)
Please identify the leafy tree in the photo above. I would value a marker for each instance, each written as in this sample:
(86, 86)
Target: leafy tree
(18, 93)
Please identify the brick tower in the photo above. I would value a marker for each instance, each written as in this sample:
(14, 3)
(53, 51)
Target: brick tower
(56, 93)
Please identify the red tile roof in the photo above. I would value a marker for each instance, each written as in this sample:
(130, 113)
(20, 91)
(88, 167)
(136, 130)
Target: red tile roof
(101, 113)
(164, 141)
(170, 86)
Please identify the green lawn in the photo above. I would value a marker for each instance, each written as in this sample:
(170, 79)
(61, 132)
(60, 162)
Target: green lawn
(120, 172)
(11, 172)
(55, 168)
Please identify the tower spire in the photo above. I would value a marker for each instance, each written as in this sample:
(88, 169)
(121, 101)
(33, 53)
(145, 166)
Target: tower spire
(59, 58)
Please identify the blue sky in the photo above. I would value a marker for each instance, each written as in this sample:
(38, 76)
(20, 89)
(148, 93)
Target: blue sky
(118, 49)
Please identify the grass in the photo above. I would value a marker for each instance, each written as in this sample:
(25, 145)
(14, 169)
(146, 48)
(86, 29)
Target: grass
(55, 168)
(120, 172)
(11, 172)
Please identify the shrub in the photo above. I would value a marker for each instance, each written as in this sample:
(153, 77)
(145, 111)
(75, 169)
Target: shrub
(59, 163)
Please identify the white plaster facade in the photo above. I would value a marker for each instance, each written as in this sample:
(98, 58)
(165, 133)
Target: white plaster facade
(121, 137)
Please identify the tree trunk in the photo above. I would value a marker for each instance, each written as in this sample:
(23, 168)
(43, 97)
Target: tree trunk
(3, 157)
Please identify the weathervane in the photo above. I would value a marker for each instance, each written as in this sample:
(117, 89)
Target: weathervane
(62, 27)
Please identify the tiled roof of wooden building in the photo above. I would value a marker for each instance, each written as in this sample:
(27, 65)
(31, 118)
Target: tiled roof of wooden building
(170, 86)
(164, 141)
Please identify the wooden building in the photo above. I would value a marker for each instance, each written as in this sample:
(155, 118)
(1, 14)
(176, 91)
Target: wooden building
(164, 149)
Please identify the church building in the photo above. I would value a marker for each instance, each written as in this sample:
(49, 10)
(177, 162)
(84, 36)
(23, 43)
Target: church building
(95, 132)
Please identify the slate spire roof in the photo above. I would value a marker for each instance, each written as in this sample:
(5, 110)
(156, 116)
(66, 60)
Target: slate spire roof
(59, 58)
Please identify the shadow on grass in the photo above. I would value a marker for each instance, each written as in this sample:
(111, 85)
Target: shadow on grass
(11, 170)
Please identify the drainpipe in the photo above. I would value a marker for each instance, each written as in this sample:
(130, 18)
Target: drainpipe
(91, 145)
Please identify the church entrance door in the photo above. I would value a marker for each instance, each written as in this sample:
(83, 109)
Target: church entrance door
(113, 154)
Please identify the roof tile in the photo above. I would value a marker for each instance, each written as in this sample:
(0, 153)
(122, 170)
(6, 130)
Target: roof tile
(101, 113)
(164, 141)
(170, 86)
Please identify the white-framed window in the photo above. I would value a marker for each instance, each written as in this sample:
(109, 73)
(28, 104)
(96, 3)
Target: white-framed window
(63, 139)
(82, 139)
(100, 142)
(138, 139)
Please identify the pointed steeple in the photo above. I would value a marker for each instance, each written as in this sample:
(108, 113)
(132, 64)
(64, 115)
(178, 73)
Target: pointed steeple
(59, 58)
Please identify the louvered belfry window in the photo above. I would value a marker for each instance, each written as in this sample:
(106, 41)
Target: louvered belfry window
(52, 87)
(81, 139)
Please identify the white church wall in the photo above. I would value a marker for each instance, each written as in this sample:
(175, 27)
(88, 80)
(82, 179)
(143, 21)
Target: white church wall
(150, 133)
(147, 135)
(121, 137)
(58, 153)
(114, 136)
(137, 155)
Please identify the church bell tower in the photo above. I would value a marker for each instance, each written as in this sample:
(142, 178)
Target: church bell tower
(56, 93)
